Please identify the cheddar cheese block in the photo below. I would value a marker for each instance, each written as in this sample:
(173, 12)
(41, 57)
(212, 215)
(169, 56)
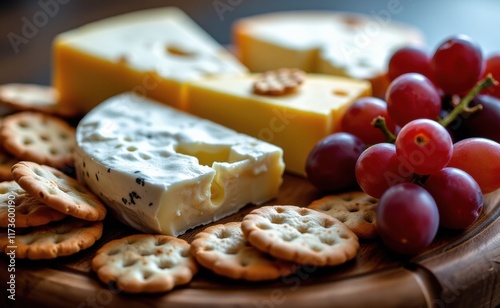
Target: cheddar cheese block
(294, 122)
(164, 171)
(345, 44)
(150, 52)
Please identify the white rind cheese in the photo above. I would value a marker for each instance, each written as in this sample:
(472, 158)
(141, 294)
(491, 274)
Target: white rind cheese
(164, 171)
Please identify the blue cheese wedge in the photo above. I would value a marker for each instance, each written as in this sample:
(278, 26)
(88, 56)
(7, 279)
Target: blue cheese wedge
(164, 171)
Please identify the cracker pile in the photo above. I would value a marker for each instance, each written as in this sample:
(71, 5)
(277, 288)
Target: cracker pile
(55, 215)
(273, 241)
(270, 242)
(34, 129)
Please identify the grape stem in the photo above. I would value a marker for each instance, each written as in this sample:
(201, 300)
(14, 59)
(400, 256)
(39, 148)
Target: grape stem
(484, 83)
(379, 122)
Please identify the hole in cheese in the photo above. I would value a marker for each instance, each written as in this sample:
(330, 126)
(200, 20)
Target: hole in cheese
(178, 51)
(206, 158)
(339, 92)
(352, 21)
(216, 192)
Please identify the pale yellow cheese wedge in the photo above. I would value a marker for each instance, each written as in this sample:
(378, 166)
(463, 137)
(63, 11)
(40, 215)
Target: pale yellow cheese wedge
(151, 53)
(338, 43)
(294, 122)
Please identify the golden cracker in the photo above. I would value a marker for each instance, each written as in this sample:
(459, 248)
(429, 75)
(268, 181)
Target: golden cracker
(300, 235)
(62, 238)
(224, 250)
(33, 97)
(279, 82)
(145, 263)
(27, 210)
(356, 209)
(58, 191)
(38, 137)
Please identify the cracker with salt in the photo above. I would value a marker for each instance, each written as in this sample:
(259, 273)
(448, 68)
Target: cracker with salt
(300, 235)
(58, 191)
(57, 239)
(224, 250)
(145, 263)
(26, 211)
(356, 209)
(38, 137)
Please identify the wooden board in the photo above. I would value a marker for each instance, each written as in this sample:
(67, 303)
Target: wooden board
(461, 269)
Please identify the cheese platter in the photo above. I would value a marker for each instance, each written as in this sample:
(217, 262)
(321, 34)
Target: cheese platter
(148, 153)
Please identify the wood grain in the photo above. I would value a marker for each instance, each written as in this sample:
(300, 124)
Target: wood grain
(460, 269)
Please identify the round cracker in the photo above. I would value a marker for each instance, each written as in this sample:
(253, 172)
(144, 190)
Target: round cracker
(300, 235)
(38, 137)
(33, 97)
(27, 210)
(356, 209)
(224, 250)
(58, 191)
(145, 263)
(62, 238)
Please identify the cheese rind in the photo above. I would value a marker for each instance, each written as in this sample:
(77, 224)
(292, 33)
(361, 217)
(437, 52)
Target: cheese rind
(150, 52)
(164, 171)
(294, 122)
(345, 44)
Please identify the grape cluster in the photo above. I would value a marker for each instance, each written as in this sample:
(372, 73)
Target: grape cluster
(431, 147)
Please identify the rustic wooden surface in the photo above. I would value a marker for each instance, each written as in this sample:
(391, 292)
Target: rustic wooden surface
(461, 269)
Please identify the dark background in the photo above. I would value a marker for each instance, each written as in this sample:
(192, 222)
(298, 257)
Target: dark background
(31, 62)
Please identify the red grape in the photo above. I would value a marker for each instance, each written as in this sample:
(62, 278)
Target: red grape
(378, 168)
(457, 195)
(412, 96)
(479, 157)
(330, 164)
(358, 118)
(493, 67)
(425, 145)
(483, 123)
(409, 60)
(457, 64)
(407, 218)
